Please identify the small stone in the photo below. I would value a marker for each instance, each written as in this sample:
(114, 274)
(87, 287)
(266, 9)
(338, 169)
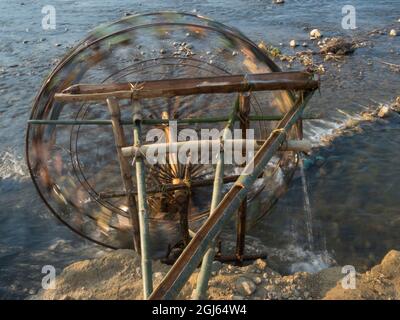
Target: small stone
(393, 33)
(279, 1)
(25, 41)
(234, 53)
(42, 39)
(260, 264)
(58, 44)
(245, 286)
(257, 280)
(293, 43)
(315, 34)
(305, 44)
(163, 51)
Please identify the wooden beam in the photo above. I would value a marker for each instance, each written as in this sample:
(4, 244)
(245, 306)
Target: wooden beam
(189, 86)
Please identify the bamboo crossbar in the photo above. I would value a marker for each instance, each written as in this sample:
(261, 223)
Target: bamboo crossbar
(163, 121)
(212, 145)
(189, 86)
(96, 122)
(193, 253)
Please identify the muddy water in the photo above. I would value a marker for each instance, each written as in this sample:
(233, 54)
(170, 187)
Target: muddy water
(353, 193)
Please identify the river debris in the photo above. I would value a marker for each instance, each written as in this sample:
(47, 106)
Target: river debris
(336, 46)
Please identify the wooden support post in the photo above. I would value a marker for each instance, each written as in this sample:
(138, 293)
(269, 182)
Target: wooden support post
(120, 142)
(147, 274)
(244, 111)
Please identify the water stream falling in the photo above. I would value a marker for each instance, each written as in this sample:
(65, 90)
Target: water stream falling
(307, 207)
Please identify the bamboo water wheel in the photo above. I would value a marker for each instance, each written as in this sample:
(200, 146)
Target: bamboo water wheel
(181, 68)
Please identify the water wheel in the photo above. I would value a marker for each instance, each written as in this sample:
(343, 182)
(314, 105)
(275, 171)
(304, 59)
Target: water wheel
(71, 150)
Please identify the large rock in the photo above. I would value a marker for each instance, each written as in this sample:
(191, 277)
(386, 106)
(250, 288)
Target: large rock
(381, 282)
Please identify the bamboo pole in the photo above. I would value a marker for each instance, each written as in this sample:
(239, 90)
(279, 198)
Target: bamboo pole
(147, 274)
(191, 256)
(163, 121)
(200, 292)
(120, 142)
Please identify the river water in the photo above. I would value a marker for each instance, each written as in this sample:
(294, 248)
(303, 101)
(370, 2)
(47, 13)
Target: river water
(352, 202)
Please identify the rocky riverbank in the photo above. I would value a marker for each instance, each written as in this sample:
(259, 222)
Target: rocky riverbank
(117, 275)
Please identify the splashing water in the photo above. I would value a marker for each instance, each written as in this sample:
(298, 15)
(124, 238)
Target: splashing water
(307, 208)
(12, 165)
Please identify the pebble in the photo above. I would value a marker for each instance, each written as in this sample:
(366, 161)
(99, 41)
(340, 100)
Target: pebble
(260, 264)
(58, 44)
(163, 51)
(25, 41)
(257, 280)
(293, 43)
(245, 286)
(279, 1)
(393, 33)
(315, 34)
(304, 44)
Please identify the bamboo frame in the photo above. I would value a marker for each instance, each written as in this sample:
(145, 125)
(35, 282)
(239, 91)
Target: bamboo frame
(202, 243)
(191, 256)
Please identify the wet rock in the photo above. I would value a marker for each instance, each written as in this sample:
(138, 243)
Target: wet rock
(279, 1)
(381, 282)
(315, 34)
(245, 286)
(393, 33)
(257, 280)
(337, 46)
(293, 43)
(260, 264)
